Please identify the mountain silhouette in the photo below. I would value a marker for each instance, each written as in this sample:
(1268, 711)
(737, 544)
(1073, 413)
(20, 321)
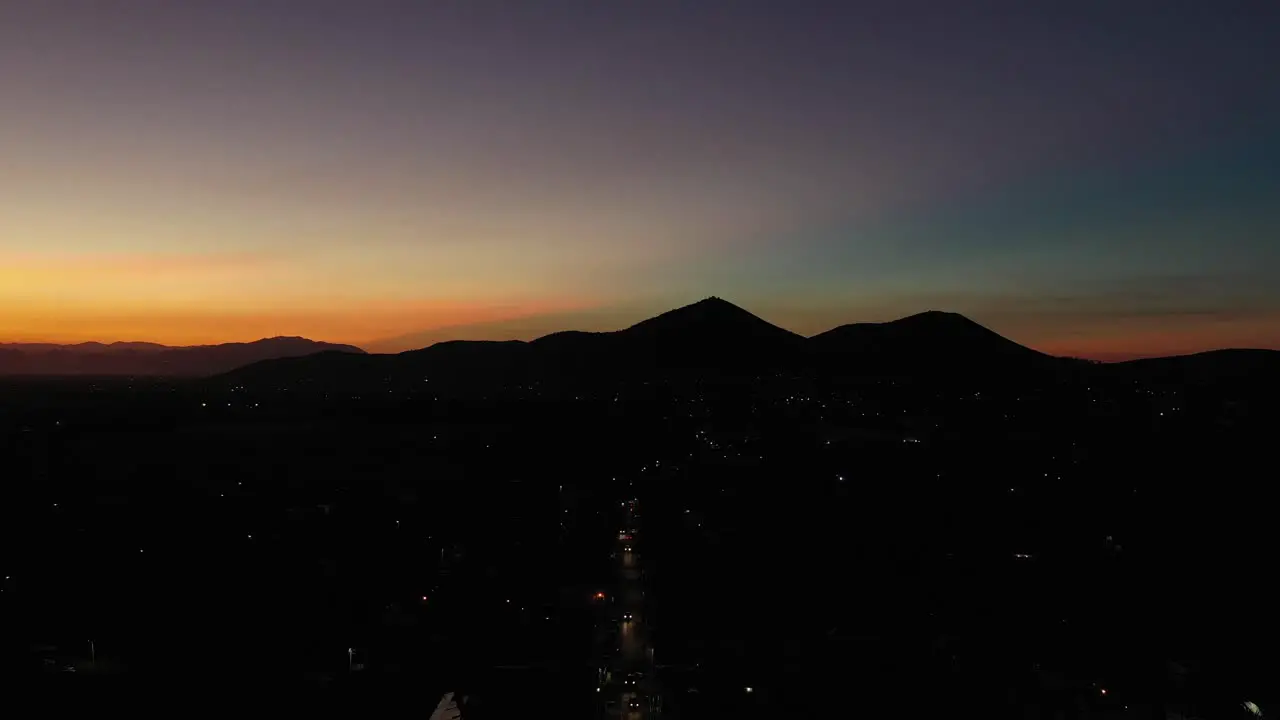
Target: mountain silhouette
(711, 333)
(712, 315)
(715, 338)
(709, 336)
(934, 341)
(1236, 369)
(85, 348)
(137, 358)
(456, 361)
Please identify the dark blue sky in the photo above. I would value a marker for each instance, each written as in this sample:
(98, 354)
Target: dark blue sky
(1088, 177)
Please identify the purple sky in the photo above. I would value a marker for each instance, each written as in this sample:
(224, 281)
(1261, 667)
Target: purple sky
(1097, 178)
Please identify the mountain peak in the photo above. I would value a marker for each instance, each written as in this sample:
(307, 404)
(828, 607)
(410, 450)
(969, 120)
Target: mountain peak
(937, 317)
(702, 315)
(715, 301)
(709, 333)
(942, 322)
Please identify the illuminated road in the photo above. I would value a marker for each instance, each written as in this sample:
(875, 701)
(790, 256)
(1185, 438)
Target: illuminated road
(629, 690)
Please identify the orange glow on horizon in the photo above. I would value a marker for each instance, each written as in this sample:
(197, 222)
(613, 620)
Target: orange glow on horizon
(1111, 344)
(359, 323)
(374, 322)
(200, 298)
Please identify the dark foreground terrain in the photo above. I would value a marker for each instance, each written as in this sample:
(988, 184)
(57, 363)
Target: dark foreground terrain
(795, 543)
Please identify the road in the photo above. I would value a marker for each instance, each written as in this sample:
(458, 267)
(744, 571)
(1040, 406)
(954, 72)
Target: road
(628, 686)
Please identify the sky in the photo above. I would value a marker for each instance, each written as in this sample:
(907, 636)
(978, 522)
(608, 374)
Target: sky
(1088, 178)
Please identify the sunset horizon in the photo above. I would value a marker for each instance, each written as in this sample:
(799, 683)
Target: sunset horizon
(524, 327)
(669, 359)
(377, 173)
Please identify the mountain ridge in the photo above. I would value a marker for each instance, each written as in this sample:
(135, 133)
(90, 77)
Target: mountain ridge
(139, 358)
(706, 338)
(708, 335)
(96, 346)
(715, 336)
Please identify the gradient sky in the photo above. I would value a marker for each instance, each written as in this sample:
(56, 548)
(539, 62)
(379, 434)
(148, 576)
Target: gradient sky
(1093, 178)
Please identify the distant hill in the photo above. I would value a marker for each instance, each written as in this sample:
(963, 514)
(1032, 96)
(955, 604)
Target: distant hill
(86, 348)
(932, 341)
(1238, 369)
(135, 358)
(458, 360)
